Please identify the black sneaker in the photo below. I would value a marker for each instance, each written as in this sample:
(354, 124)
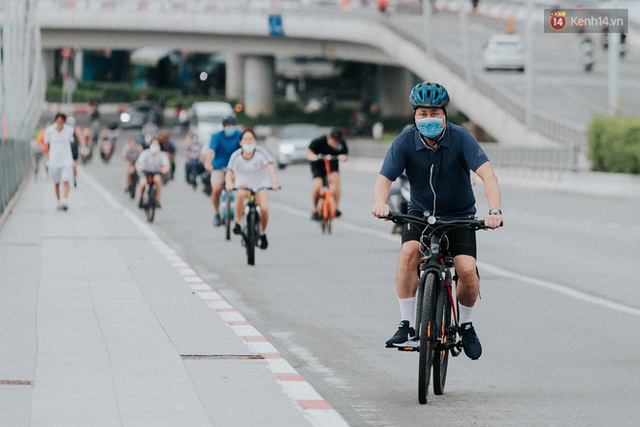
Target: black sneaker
(470, 341)
(316, 216)
(217, 221)
(237, 229)
(158, 205)
(338, 213)
(262, 243)
(402, 335)
(140, 205)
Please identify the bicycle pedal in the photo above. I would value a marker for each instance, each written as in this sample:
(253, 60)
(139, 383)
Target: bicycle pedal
(408, 348)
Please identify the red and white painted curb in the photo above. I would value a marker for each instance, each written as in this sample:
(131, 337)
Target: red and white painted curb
(315, 408)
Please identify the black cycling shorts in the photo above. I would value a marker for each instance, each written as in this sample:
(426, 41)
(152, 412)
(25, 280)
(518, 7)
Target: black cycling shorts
(318, 169)
(460, 241)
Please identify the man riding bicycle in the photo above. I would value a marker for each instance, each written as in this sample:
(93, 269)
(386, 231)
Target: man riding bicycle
(333, 145)
(221, 146)
(153, 160)
(436, 156)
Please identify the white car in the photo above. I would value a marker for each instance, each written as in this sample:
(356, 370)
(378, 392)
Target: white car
(504, 52)
(293, 141)
(206, 118)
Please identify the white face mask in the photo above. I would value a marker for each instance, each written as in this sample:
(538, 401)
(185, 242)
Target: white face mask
(154, 149)
(248, 148)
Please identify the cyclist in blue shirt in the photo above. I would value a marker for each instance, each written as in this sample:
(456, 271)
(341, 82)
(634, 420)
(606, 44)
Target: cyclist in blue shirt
(222, 145)
(437, 157)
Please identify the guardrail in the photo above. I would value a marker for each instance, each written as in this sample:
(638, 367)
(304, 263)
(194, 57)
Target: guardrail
(15, 164)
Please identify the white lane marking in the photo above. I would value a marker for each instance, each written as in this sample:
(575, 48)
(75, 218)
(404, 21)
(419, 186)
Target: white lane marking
(314, 407)
(565, 290)
(562, 289)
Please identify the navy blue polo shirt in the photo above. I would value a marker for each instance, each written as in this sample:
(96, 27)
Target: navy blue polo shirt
(439, 179)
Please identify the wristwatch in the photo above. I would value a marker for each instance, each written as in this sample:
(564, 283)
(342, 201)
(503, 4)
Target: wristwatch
(495, 211)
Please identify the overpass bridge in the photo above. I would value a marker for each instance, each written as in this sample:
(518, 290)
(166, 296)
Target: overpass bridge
(243, 30)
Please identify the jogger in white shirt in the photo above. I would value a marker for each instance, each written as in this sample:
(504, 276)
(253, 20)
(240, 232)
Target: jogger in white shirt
(59, 137)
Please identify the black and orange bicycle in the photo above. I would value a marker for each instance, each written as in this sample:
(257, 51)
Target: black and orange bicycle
(436, 309)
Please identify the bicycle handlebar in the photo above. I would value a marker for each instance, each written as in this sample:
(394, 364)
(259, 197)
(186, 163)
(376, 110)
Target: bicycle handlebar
(255, 190)
(430, 220)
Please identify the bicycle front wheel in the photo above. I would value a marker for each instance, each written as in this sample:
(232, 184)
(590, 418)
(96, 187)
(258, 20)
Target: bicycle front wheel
(447, 335)
(151, 204)
(227, 215)
(252, 237)
(427, 334)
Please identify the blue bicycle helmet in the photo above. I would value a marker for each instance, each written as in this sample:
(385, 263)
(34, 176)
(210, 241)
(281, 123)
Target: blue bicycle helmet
(429, 95)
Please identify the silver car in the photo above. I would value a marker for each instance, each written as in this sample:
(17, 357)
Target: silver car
(293, 141)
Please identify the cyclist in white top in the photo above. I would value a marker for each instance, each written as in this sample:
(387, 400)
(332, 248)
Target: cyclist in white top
(251, 167)
(153, 160)
(59, 137)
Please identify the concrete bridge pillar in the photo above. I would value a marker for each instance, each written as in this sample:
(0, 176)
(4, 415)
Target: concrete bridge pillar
(234, 86)
(394, 96)
(49, 62)
(259, 86)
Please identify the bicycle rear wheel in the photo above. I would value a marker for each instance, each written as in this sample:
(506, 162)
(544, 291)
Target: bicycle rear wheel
(252, 237)
(427, 335)
(446, 333)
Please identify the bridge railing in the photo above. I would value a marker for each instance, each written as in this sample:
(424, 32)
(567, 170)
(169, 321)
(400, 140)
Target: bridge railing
(15, 163)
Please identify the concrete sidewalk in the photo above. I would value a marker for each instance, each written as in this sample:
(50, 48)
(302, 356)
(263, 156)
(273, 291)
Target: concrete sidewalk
(103, 324)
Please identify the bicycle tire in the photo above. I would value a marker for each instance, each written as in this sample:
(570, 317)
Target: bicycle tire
(151, 204)
(133, 183)
(227, 215)
(427, 332)
(193, 178)
(441, 354)
(251, 237)
(327, 212)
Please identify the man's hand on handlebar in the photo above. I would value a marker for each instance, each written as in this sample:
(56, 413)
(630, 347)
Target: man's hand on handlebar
(380, 209)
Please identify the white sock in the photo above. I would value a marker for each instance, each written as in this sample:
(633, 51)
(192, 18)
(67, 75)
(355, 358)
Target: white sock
(466, 313)
(407, 309)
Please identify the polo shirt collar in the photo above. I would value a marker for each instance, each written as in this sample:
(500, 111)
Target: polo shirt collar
(443, 141)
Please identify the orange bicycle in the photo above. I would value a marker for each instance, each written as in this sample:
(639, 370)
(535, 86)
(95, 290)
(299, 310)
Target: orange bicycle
(326, 202)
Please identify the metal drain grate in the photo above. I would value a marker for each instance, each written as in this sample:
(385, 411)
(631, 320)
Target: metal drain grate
(221, 356)
(15, 382)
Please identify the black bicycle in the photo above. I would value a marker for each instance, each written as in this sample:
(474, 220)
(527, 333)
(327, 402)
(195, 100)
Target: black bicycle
(251, 223)
(436, 309)
(148, 196)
